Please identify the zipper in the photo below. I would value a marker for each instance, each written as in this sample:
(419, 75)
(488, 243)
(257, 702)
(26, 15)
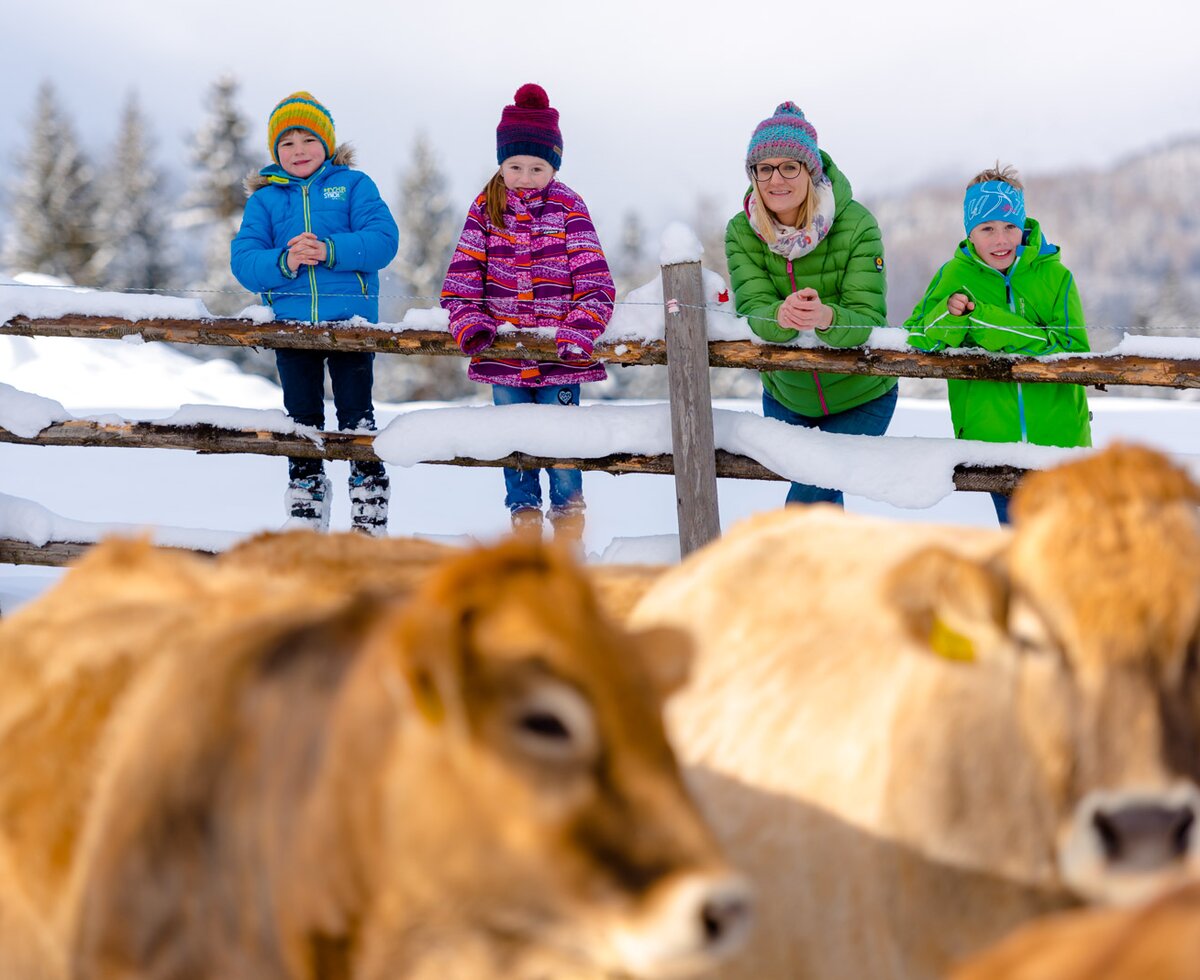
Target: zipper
(816, 377)
(1012, 308)
(362, 283)
(312, 272)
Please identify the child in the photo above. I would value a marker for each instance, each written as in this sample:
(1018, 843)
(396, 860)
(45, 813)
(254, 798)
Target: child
(313, 238)
(529, 257)
(1006, 290)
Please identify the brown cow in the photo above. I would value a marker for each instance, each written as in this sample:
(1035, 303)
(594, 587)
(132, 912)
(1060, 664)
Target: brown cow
(1157, 941)
(915, 738)
(210, 772)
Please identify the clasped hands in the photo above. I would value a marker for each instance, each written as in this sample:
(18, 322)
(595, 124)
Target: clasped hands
(305, 249)
(803, 310)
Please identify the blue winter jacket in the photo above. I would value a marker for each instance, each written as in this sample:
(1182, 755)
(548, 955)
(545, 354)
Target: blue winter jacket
(337, 204)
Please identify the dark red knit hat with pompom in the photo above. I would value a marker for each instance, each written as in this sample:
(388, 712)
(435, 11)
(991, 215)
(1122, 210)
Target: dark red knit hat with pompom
(529, 128)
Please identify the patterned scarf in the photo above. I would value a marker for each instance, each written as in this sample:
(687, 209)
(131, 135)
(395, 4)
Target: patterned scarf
(792, 243)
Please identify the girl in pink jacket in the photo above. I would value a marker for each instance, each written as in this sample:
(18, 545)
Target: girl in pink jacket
(529, 257)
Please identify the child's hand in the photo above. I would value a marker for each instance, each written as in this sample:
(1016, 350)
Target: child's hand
(959, 304)
(305, 249)
(804, 310)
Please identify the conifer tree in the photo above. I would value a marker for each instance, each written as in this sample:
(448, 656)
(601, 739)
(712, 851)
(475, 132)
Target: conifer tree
(53, 202)
(213, 205)
(429, 226)
(133, 247)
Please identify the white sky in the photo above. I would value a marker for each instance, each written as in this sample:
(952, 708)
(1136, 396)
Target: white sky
(657, 98)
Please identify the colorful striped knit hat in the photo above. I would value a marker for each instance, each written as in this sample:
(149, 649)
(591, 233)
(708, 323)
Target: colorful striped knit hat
(300, 111)
(530, 127)
(786, 134)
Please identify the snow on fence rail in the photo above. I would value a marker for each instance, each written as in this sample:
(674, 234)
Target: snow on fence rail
(686, 350)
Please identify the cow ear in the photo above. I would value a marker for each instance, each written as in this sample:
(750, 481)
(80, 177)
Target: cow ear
(954, 606)
(667, 653)
(428, 651)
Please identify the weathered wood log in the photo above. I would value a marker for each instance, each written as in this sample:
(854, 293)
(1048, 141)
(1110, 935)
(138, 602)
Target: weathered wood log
(245, 333)
(691, 407)
(1097, 370)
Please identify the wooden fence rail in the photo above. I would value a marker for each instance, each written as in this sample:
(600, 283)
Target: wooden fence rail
(211, 439)
(1089, 370)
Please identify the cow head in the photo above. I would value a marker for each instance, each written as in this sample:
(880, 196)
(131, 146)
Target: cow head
(1082, 637)
(530, 789)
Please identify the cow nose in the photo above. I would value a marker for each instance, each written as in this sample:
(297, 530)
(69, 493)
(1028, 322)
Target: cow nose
(1145, 836)
(725, 917)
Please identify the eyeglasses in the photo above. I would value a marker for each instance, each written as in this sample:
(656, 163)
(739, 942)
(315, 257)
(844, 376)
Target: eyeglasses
(788, 170)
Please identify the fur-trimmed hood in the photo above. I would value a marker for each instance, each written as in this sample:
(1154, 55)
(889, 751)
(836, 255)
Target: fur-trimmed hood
(343, 156)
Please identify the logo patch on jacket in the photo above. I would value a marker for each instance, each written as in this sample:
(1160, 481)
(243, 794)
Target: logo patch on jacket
(878, 263)
(335, 193)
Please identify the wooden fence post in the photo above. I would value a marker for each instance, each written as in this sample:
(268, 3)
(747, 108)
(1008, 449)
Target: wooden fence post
(692, 444)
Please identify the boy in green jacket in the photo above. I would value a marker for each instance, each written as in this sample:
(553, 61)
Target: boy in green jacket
(1006, 290)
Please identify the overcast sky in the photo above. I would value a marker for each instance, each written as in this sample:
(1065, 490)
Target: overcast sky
(657, 98)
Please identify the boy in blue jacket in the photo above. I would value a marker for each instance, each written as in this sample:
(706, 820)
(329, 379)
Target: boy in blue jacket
(313, 238)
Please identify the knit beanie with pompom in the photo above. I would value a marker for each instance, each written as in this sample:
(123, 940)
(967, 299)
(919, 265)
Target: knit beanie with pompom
(787, 134)
(529, 128)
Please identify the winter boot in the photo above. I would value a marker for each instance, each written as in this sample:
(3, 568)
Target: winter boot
(568, 530)
(369, 494)
(527, 524)
(307, 502)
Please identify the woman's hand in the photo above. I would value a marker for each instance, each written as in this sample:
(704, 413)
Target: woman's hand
(804, 310)
(959, 304)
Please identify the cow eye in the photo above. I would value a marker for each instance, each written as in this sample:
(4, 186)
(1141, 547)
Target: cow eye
(555, 723)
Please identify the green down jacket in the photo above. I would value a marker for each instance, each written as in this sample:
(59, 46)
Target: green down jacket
(1034, 308)
(846, 268)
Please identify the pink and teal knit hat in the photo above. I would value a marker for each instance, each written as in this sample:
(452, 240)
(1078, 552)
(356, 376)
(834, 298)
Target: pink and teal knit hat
(529, 128)
(786, 134)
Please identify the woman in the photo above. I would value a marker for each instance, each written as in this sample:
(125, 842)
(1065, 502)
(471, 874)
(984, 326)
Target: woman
(804, 255)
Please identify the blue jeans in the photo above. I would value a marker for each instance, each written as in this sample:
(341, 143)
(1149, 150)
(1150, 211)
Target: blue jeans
(524, 488)
(302, 376)
(1000, 502)
(869, 419)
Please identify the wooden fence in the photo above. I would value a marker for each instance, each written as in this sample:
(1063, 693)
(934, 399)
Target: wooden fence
(686, 351)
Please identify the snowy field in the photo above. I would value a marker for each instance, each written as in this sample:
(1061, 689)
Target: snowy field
(630, 518)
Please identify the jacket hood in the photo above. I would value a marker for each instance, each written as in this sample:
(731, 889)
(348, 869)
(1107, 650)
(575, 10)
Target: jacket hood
(343, 156)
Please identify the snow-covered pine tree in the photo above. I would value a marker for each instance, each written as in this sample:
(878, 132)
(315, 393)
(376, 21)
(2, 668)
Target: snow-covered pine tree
(213, 205)
(133, 248)
(429, 226)
(630, 265)
(53, 201)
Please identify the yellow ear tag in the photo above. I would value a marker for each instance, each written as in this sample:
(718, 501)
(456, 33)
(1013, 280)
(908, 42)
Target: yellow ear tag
(946, 643)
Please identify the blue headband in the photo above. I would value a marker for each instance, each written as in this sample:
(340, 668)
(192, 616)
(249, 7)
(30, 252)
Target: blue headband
(994, 200)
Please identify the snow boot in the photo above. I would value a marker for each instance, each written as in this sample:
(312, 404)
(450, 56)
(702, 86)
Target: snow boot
(568, 530)
(527, 524)
(307, 502)
(369, 495)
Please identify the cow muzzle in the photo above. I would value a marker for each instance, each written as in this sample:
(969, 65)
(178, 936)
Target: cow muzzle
(694, 922)
(1126, 847)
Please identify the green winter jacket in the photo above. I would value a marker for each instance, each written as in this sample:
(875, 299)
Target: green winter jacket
(1034, 308)
(846, 268)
